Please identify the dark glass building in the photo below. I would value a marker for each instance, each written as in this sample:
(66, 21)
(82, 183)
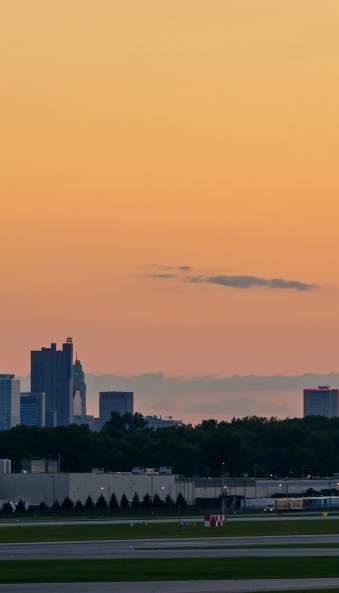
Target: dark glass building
(32, 409)
(52, 374)
(321, 401)
(121, 402)
(79, 385)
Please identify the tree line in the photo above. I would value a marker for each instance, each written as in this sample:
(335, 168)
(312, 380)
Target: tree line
(101, 505)
(254, 446)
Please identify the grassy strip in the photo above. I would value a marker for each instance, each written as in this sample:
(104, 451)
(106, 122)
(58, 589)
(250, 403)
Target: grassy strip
(41, 571)
(22, 533)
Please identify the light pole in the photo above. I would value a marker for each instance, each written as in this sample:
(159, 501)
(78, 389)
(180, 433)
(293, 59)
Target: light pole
(224, 488)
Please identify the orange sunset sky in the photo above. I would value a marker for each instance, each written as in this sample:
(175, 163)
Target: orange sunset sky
(141, 136)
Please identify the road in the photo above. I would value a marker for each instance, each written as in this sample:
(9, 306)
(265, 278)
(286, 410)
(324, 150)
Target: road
(241, 586)
(169, 548)
(232, 519)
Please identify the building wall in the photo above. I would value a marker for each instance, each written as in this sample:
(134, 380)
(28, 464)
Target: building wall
(9, 402)
(32, 409)
(321, 401)
(52, 374)
(36, 488)
(115, 401)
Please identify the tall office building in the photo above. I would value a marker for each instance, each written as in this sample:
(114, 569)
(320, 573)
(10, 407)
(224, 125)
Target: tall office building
(52, 374)
(32, 409)
(114, 401)
(321, 401)
(79, 390)
(9, 402)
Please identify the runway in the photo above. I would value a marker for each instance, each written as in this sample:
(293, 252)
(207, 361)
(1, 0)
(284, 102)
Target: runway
(169, 548)
(239, 586)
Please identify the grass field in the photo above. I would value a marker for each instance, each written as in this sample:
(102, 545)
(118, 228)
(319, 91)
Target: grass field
(22, 533)
(28, 571)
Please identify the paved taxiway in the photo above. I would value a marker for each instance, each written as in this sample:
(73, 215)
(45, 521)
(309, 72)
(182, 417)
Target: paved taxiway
(241, 586)
(170, 548)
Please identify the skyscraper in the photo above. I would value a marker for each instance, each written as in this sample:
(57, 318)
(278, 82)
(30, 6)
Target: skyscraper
(114, 401)
(52, 374)
(79, 388)
(32, 409)
(9, 402)
(321, 401)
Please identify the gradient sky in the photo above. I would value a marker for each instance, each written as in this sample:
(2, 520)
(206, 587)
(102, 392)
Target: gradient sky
(137, 137)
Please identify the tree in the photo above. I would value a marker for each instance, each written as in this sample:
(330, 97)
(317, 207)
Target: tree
(43, 507)
(101, 504)
(181, 502)
(123, 423)
(7, 508)
(21, 507)
(68, 504)
(89, 504)
(78, 507)
(157, 502)
(124, 504)
(147, 502)
(55, 506)
(169, 504)
(113, 503)
(135, 502)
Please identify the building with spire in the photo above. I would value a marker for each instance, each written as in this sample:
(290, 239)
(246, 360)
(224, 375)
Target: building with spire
(79, 389)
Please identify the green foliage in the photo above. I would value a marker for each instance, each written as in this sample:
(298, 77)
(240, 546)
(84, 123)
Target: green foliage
(78, 507)
(67, 504)
(89, 504)
(291, 447)
(135, 502)
(157, 502)
(147, 502)
(124, 504)
(101, 504)
(113, 504)
(20, 507)
(181, 502)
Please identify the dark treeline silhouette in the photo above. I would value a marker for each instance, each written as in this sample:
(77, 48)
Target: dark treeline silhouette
(101, 505)
(254, 446)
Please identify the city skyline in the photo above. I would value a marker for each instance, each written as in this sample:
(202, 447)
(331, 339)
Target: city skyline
(178, 209)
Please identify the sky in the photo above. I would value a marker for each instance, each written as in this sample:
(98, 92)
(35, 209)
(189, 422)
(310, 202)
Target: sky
(169, 187)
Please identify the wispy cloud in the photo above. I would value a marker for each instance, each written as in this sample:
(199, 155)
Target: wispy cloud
(246, 282)
(183, 274)
(163, 275)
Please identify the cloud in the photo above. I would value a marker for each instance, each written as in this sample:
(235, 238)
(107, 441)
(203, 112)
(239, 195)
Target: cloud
(250, 282)
(185, 268)
(227, 281)
(197, 397)
(163, 275)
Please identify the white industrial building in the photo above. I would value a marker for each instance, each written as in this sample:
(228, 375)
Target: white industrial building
(51, 487)
(48, 487)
